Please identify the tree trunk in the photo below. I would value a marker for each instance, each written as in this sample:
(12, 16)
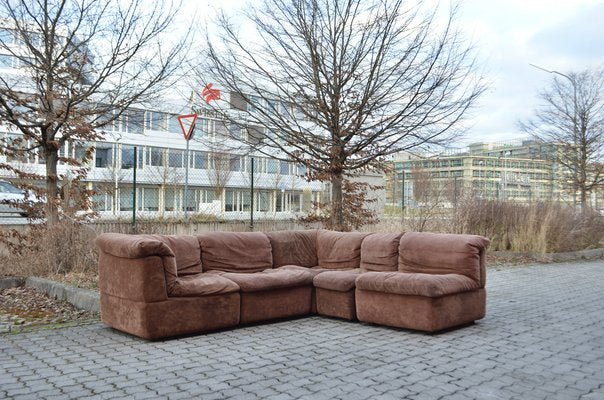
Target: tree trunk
(583, 199)
(337, 215)
(51, 155)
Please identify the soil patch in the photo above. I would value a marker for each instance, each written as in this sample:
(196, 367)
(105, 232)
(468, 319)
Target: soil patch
(24, 307)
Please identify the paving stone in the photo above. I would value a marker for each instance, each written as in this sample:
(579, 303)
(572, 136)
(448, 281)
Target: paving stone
(541, 339)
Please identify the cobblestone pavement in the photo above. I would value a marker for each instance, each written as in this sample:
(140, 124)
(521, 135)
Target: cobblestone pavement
(543, 338)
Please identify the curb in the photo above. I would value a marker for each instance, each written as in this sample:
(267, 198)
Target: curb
(591, 254)
(11, 282)
(82, 299)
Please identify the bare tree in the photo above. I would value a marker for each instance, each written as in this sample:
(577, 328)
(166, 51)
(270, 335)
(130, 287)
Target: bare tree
(79, 65)
(571, 118)
(341, 84)
(430, 197)
(220, 170)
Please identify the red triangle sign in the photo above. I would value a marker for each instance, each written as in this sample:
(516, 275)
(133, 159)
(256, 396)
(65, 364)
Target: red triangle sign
(187, 123)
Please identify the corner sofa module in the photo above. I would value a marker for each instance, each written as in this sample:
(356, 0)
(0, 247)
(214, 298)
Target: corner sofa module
(143, 294)
(439, 284)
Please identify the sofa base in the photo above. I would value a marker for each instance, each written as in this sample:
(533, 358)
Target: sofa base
(173, 317)
(274, 304)
(336, 304)
(420, 313)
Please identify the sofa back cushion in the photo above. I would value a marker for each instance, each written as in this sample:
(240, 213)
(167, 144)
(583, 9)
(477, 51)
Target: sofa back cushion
(440, 253)
(235, 251)
(379, 252)
(338, 250)
(294, 248)
(187, 253)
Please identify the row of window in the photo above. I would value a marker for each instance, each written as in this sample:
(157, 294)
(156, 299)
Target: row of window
(108, 155)
(199, 200)
(511, 176)
(475, 162)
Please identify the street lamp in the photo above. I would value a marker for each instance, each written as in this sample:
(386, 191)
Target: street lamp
(572, 81)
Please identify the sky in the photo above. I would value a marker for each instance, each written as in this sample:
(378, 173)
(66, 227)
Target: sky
(508, 36)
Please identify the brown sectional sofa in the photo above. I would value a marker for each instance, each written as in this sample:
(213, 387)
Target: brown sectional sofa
(156, 286)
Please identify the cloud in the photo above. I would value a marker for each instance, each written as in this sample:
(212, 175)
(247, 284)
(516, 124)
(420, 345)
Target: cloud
(579, 37)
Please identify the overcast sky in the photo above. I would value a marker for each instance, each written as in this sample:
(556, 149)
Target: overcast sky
(509, 34)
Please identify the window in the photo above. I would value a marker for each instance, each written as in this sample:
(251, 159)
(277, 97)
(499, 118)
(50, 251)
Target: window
(127, 157)
(200, 160)
(301, 169)
(103, 158)
(6, 61)
(156, 121)
(202, 127)
(156, 156)
(135, 120)
(126, 199)
(229, 200)
(272, 166)
(174, 125)
(284, 168)
(175, 158)
(255, 103)
(150, 201)
(6, 36)
(235, 131)
(264, 201)
(456, 163)
(235, 163)
(171, 199)
(221, 129)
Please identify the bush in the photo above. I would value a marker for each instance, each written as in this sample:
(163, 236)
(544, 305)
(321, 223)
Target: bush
(67, 247)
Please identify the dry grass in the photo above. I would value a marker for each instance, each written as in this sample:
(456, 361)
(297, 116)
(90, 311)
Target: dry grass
(542, 227)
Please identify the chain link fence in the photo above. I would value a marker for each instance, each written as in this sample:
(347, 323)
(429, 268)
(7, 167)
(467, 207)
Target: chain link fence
(142, 183)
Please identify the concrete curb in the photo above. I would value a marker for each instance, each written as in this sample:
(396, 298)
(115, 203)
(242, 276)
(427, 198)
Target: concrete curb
(591, 254)
(11, 282)
(82, 299)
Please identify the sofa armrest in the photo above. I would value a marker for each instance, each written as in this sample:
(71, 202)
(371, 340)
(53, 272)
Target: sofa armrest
(131, 246)
(440, 253)
(135, 267)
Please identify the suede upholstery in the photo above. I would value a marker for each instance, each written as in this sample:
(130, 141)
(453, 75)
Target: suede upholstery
(429, 314)
(339, 250)
(379, 252)
(235, 251)
(340, 281)
(294, 248)
(269, 279)
(203, 285)
(415, 284)
(439, 253)
(156, 286)
(334, 303)
(186, 250)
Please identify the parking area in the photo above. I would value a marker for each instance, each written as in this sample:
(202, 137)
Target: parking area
(543, 338)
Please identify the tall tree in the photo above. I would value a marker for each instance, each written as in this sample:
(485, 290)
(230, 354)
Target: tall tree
(571, 118)
(339, 85)
(77, 66)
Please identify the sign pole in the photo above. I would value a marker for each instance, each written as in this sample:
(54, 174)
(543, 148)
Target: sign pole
(186, 203)
(187, 131)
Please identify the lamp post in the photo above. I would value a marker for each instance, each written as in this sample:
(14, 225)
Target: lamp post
(572, 81)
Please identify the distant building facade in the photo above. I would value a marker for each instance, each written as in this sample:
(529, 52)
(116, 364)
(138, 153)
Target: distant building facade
(521, 171)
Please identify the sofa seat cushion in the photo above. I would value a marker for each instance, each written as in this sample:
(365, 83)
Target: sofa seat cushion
(314, 271)
(416, 284)
(269, 279)
(340, 281)
(202, 285)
